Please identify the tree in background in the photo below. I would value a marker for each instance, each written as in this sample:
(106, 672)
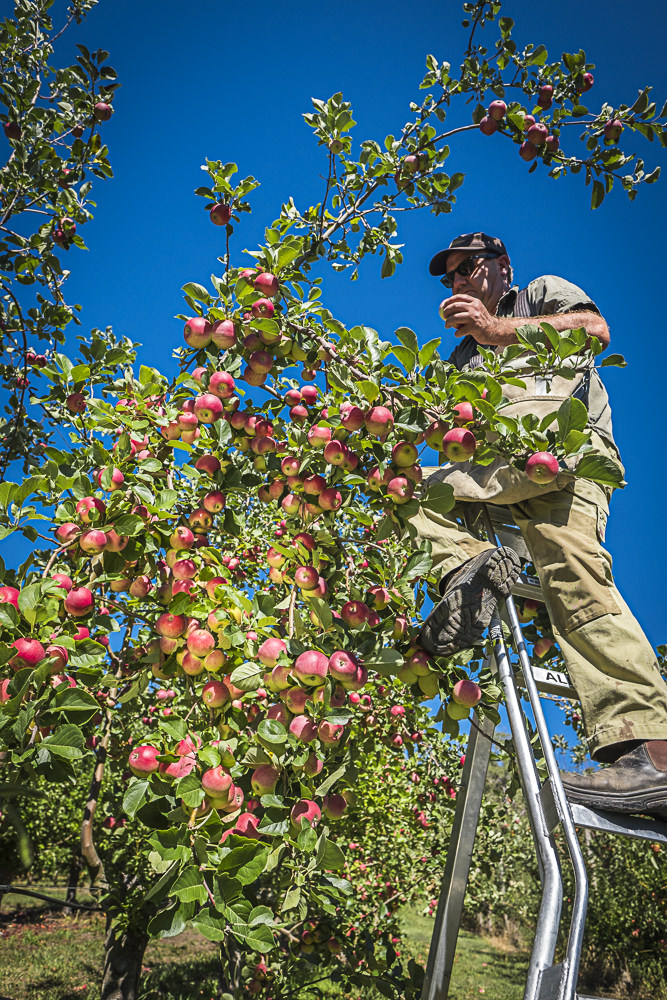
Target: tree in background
(220, 624)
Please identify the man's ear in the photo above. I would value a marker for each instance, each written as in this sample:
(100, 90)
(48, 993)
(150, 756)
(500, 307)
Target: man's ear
(504, 263)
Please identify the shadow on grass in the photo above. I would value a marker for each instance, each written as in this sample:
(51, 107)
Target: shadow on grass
(182, 980)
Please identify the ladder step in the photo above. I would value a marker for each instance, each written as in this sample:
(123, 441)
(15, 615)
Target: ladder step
(581, 996)
(549, 682)
(629, 826)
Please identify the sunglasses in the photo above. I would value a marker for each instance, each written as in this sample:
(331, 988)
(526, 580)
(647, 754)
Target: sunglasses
(465, 268)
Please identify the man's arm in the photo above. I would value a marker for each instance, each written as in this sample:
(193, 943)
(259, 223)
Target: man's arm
(468, 316)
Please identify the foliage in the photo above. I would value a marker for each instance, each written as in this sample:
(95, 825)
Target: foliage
(52, 122)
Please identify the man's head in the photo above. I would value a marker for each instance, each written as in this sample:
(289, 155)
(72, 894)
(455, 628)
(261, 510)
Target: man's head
(475, 264)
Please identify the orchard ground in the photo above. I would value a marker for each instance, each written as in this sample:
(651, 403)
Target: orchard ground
(46, 956)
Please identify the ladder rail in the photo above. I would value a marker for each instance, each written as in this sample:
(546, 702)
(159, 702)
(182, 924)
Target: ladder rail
(457, 868)
(548, 921)
(580, 902)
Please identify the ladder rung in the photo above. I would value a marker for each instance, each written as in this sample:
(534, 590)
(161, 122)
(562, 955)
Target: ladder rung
(628, 826)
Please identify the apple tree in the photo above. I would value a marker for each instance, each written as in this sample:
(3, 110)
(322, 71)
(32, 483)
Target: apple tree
(220, 613)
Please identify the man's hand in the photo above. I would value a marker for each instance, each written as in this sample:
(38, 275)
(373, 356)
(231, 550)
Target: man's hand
(468, 316)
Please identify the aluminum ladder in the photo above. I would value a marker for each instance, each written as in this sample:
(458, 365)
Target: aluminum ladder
(546, 804)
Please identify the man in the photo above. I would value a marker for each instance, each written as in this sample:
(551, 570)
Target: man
(610, 662)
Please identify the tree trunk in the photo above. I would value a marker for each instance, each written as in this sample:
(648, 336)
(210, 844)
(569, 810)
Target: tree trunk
(72, 883)
(123, 958)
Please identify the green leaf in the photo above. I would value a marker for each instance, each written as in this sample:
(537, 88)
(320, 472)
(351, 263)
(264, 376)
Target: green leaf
(613, 359)
(330, 856)
(370, 389)
(196, 291)
(385, 661)
(406, 357)
(29, 598)
(419, 564)
(600, 469)
(572, 416)
(66, 742)
(77, 705)
(272, 732)
(291, 900)
(135, 796)
(211, 924)
(408, 338)
(188, 886)
(428, 350)
(439, 498)
(331, 780)
(322, 610)
(597, 194)
(249, 676)
(574, 440)
(166, 499)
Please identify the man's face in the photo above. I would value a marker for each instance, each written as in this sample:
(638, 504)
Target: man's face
(488, 282)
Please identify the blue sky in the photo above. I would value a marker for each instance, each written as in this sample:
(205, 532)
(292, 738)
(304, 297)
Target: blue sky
(232, 81)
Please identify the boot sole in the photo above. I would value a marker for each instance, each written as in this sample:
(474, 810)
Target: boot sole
(465, 612)
(642, 802)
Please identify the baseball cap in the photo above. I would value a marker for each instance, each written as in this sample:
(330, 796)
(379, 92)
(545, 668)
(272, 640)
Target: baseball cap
(469, 241)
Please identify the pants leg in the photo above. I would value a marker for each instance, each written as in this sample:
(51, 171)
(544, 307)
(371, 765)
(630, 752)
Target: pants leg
(452, 543)
(610, 661)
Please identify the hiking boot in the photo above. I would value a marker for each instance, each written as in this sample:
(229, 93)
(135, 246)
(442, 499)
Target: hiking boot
(469, 598)
(632, 785)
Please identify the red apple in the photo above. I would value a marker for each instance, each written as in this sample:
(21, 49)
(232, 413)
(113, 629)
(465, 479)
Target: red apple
(303, 728)
(10, 595)
(270, 650)
(197, 332)
(208, 408)
(542, 467)
(545, 96)
(220, 214)
(171, 626)
(29, 652)
(215, 694)
(459, 444)
(267, 284)
(223, 334)
(142, 760)
(263, 309)
(527, 151)
(305, 810)
(542, 646)
(76, 402)
(102, 112)
(264, 779)
(79, 602)
(497, 110)
(537, 134)
(467, 693)
(311, 667)
(343, 666)
(379, 421)
(488, 125)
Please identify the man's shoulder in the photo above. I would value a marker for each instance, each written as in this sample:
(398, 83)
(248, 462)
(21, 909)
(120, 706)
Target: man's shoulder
(550, 293)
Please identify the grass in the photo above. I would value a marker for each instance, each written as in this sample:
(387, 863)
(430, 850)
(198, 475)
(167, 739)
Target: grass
(47, 956)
